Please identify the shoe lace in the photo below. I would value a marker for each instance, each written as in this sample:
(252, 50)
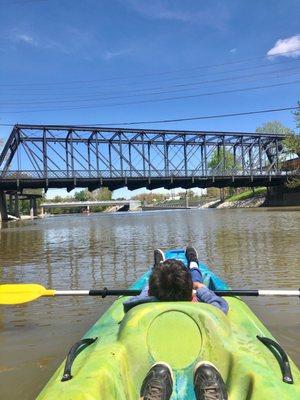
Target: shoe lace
(154, 392)
(211, 393)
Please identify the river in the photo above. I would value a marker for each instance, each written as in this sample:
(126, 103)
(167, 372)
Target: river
(249, 248)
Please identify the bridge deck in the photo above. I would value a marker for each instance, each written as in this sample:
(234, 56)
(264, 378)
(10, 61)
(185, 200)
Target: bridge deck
(148, 182)
(91, 203)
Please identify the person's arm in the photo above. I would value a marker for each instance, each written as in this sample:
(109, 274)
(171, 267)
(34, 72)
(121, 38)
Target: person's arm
(141, 298)
(143, 295)
(206, 295)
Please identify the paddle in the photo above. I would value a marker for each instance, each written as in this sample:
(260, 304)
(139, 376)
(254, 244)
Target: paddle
(25, 292)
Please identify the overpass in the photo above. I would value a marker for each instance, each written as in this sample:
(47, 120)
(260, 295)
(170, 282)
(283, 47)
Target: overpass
(38, 156)
(131, 205)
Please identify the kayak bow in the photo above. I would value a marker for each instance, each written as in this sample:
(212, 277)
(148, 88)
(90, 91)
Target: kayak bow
(115, 355)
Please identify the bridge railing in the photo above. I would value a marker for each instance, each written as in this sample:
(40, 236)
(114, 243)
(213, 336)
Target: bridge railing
(85, 174)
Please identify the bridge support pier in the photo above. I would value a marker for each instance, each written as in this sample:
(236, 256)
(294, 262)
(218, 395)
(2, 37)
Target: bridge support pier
(11, 205)
(3, 207)
(222, 194)
(17, 206)
(33, 207)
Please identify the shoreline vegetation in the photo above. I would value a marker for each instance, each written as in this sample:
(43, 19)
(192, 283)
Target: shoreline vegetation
(287, 196)
(248, 199)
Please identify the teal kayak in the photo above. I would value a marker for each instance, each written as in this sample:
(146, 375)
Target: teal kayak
(118, 351)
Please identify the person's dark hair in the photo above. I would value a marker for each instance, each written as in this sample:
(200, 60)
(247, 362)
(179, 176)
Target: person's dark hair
(171, 281)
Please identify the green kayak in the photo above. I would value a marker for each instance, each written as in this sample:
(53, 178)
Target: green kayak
(113, 366)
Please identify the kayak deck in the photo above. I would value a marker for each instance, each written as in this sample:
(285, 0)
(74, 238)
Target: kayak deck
(181, 334)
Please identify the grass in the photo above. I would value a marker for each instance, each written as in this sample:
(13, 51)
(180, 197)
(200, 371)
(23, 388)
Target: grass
(247, 194)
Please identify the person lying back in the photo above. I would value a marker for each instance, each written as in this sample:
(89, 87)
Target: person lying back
(170, 280)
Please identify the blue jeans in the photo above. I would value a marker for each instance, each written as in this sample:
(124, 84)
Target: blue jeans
(196, 275)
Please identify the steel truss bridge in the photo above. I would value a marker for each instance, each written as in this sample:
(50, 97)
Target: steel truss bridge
(37, 156)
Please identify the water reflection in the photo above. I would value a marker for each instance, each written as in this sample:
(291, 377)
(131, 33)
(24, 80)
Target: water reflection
(248, 248)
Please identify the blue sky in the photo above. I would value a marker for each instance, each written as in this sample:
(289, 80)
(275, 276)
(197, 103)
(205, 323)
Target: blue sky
(92, 62)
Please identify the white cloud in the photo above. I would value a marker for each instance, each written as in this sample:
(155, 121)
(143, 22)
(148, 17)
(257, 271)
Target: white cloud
(289, 47)
(233, 51)
(85, 44)
(176, 10)
(109, 55)
(24, 38)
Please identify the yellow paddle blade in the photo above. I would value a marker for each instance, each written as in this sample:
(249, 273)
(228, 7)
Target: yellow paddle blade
(22, 293)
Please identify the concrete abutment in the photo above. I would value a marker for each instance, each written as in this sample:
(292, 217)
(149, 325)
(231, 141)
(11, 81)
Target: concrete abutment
(281, 196)
(3, 206)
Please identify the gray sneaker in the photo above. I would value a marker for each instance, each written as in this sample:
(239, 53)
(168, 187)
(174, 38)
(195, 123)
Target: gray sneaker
(191, 255)
(208, 382)
(159, 257)
(158, 383)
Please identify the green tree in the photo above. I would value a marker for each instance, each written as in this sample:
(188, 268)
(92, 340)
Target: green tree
(25, 204)
(217, 160)
(292, 143)
(292, 140)
(213, 193)
(297, 115)
(81, 196)
(274, 127)
(102, 194)
(57, 199)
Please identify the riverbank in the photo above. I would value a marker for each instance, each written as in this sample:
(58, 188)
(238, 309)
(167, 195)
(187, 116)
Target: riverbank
(253, 202)
(247, 199)
(259, 197)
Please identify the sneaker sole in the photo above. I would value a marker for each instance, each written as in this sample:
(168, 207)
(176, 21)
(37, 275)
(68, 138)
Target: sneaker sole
(196, 252)
(161, 253)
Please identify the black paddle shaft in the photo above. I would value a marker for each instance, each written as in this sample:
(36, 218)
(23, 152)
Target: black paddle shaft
(133, 292)
(237, 292)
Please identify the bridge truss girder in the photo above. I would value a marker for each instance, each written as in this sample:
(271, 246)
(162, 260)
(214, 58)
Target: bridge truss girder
(70, 156)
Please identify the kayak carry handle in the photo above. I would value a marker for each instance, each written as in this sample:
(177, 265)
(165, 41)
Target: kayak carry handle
(73, 353)
(281, 357)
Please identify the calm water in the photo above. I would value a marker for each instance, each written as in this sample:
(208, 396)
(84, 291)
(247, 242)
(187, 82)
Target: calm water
(248, 248)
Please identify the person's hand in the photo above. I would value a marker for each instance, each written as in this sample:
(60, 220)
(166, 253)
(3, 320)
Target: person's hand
(197, 285)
